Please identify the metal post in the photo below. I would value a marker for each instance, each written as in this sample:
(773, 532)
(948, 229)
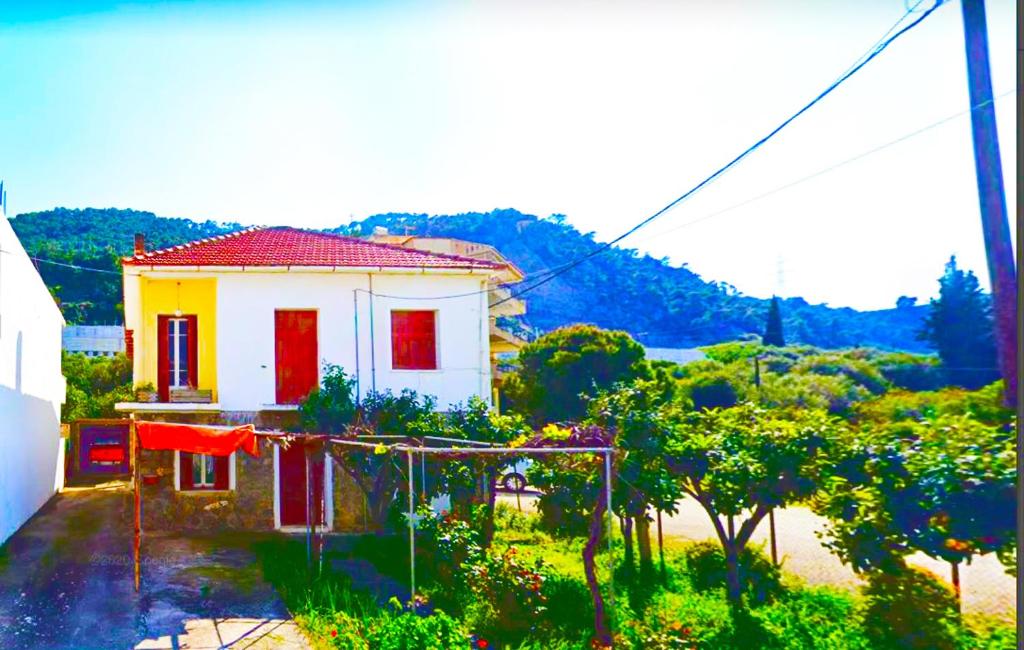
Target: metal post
(136, 474)
(412, 539)
(423, 477)
(309, 514)
(611, 525)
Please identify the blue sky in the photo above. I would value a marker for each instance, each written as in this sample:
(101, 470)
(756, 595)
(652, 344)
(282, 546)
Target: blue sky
(310, 114)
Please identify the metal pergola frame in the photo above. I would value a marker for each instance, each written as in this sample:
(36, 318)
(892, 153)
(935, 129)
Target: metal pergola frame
(490, 449)
(472, 447)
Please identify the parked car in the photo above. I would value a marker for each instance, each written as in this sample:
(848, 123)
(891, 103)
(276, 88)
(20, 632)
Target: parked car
(514, 480)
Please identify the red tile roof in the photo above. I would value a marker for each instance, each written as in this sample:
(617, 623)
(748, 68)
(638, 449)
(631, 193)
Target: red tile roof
(283, 246)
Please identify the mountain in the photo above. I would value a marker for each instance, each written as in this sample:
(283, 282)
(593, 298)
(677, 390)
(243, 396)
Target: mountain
(659, 304)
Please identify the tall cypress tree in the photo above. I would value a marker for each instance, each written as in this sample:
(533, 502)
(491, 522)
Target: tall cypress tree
(959, 326)
(773, 330)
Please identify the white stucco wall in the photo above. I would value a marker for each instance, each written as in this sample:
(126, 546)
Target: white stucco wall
(245, 332)
(31, 387)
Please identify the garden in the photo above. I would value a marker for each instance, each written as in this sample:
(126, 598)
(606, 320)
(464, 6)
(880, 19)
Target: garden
(895, 458)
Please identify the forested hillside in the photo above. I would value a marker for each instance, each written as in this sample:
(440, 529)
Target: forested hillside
(660, 304)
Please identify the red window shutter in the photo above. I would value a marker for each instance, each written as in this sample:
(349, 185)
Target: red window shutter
(193, 351)
(295, 355)
(220, 472)
(185, 470)
(413, 340)
(163, 359)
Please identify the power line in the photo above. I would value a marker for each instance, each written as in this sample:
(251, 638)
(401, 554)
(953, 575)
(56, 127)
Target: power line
(833, 166)
(877, 49)
(74, 266)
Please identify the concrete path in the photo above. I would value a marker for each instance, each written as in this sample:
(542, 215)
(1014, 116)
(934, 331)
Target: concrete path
(66, 582)
(986, 588)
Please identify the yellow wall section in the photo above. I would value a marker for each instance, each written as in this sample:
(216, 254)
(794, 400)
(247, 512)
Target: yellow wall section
(163, 297)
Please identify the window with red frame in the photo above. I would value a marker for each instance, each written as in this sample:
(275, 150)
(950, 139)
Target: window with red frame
(414, 340)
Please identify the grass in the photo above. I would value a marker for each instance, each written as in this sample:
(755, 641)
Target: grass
(650, 612)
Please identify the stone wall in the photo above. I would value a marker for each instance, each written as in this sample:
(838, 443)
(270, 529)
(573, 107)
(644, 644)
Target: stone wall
(250, 506)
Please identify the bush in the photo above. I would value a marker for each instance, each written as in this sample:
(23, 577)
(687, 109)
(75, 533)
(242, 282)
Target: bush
(508, 599)
(409, 631)
(911, 609)
(706, 564)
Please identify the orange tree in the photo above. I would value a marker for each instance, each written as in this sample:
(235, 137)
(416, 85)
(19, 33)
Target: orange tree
(580, 480)
(640, 415)
(943, 485)
(739, 463)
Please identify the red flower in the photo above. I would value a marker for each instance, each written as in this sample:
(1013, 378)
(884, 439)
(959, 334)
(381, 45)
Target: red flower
(482, 643)
(334, 633)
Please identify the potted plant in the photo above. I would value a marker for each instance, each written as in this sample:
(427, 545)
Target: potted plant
(145, 393)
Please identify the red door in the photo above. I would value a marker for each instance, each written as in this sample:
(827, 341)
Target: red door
(295, 354)
(292, 486)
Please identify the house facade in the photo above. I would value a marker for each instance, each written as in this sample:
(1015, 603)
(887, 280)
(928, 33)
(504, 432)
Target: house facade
(32, 387)
(238, 328)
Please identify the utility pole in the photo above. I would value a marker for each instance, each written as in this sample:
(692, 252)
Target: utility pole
(988, 167)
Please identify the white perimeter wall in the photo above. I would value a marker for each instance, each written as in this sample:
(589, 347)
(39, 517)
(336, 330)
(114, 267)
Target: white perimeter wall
(31, 387)
(245, 332)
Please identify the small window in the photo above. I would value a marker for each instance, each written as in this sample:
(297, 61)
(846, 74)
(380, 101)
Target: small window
(414, 340)
(204, 472)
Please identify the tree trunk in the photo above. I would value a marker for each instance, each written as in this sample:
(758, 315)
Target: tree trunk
(956, 584)
(643, 543)
(627, 538)
(734, 587)
(601, 633)
(487, 532)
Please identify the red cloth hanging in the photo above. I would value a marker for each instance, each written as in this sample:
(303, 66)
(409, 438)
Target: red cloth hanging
(198, 439)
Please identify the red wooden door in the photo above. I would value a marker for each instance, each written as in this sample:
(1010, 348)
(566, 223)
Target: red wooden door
(292, 486)
(295, 355)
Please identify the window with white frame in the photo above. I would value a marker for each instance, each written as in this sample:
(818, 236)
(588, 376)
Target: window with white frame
(204, 473)
(177, 352)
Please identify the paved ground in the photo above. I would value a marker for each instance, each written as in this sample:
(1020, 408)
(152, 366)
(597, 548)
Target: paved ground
(985, 585)
(66, 582)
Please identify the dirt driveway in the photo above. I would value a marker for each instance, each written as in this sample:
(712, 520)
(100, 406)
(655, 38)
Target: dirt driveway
(66, 582)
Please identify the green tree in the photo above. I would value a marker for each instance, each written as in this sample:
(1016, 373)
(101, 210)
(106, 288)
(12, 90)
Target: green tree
(640, 416)
(471, 480)
(95, 385)
(944, 486)
(959, 325)
(331, 408)
(741, 462)
(773, 329)
(562, 369)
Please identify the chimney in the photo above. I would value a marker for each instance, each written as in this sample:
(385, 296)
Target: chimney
(140, 243)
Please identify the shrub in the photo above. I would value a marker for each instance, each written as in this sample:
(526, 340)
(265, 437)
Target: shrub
(911, 608)
(408, 631)
(508, 595)
(447, 546)
(706, 563)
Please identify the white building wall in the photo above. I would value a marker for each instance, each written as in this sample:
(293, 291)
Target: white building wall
(94, 340)
(31, 387)
(245, 332)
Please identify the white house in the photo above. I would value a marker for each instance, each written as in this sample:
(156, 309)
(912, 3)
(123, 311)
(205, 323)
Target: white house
(239, 328)
(31, 387)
